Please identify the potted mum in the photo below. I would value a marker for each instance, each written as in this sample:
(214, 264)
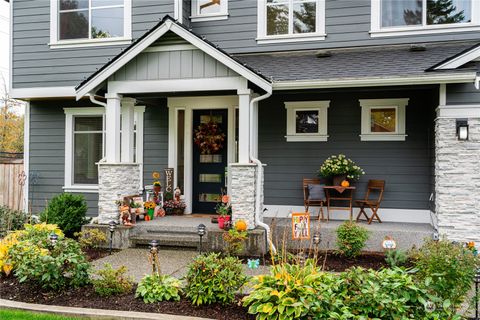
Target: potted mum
(150, 207)
(174, 207)
(224, 210)
(339, 168)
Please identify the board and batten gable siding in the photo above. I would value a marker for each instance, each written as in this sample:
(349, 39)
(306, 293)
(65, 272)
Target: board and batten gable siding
(462, 93)
(347, 24)
(406, 166)
(36, 65)
(181, 64)
(47, 149)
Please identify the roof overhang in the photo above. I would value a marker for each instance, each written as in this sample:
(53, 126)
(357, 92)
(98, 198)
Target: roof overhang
(458, 60)
(376, 82)
(168, 24)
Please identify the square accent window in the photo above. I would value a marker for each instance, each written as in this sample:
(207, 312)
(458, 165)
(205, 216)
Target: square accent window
(84, 22)
(383, 119)
(394, 17)
(291, 19)
(307, 120)
(207, 10)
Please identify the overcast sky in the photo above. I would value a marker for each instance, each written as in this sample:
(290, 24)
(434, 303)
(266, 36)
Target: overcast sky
(4, 42)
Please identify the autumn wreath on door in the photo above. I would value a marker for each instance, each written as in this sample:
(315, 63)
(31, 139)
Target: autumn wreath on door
(209, 138)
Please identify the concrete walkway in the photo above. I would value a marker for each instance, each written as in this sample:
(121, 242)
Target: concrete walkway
(172, 262)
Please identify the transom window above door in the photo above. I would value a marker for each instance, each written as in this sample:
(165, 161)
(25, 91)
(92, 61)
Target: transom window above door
(207, 10)
(291, 20)
(395, 17)
(87, 22)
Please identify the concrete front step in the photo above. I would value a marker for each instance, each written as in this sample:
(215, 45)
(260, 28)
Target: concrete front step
(170, 239)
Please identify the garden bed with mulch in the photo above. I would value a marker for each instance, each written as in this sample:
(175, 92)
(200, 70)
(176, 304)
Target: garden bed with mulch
(86, 297)
(338, 263)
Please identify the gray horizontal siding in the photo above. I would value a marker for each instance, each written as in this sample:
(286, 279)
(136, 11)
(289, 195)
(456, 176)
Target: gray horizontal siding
(347, 24)
(47, 153)
(181, 64)
(406, 166)
(36, 65)
(462, 93)
(155, 144)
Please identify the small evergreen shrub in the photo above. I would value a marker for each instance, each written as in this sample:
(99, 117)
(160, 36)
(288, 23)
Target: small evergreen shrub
(66, 210)
(234, 241)
(211, 278)
(395, 258)
(447, 267)
(351, 239)
(157, 288)
(112, 281)
(11, 220)
(91, 238)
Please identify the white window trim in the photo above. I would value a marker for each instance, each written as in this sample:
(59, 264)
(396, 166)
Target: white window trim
(321, 107)
(77, 43)
(197, 17)
(70, 113)
(263, 38)
(400, 119)
(378, 31)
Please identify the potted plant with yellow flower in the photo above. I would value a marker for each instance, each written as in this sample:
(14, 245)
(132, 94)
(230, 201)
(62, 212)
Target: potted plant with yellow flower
(150, 207)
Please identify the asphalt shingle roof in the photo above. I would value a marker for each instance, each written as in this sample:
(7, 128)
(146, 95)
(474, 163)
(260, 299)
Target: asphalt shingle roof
(371, 62)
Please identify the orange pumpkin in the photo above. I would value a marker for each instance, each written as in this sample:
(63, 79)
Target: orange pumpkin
(147, 217)
(241, 225)
(345, 184)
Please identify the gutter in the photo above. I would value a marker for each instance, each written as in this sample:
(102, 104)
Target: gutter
(258, 204)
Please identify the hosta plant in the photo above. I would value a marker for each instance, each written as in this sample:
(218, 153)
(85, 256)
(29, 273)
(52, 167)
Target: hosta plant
(156, 288)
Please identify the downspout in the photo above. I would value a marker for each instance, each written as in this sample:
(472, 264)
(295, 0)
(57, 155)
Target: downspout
(258, 204)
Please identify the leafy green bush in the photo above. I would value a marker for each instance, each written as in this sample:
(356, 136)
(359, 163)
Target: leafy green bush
(36, 260)
(447, 267)
(90, 238)
(351, 239)
(11, 220)
(112, 281)
(234, 241)
(211, 278)
(66, 210)
(156, 288)
(395, 258)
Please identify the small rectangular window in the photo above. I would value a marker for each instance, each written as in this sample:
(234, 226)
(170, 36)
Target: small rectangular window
(383, 119)
(205, 10)
(87, 148)
(307, 120)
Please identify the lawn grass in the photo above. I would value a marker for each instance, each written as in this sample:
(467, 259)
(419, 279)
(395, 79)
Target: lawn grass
(6, 314)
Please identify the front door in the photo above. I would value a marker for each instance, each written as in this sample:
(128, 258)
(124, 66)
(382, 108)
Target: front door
(210, 129)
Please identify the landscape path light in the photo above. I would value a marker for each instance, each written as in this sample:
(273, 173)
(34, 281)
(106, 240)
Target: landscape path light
(153, 258)
(316, 241)
(201, 230)
(111, 227)
(53, 237)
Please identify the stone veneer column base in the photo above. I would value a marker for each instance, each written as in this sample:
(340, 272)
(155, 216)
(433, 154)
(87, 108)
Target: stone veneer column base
(457, 181)
(242, 193)
(115, 180)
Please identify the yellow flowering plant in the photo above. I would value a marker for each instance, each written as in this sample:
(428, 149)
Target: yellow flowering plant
(340, 165)
(149, 205)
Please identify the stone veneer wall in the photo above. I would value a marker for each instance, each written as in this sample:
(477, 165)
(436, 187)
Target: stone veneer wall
(242, 192)
(457, 181)
(115, 180)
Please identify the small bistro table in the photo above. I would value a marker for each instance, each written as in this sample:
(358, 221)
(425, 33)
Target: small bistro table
(341, 194)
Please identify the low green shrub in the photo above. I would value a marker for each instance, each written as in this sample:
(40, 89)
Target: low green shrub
(156, 288)
(211, 278)
(91, 238)
(66, 210)
(35, 259)
(448, 268)
(395, 258)
(11, 220)
(112, 281)
(234, 241)
(351, 239)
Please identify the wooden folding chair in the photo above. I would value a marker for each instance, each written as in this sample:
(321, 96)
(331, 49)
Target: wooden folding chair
(307, 202)
(374, 186)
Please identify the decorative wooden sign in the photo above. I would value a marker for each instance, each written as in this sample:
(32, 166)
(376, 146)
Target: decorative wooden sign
(300, 226)
(389, 243)
(169, 180)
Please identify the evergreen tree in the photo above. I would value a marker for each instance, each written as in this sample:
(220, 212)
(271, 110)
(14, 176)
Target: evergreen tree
(443, 11)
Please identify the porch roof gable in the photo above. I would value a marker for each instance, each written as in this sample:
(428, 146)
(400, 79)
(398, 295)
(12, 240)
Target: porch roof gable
(93, 82)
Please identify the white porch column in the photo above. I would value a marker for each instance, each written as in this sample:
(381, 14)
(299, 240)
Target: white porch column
(244, 125)
(112, 128)
(128, 116)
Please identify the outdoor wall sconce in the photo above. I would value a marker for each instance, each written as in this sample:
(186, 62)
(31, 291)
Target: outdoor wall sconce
(53, 237)
(201, 230)
(462, 129)
(111, 227)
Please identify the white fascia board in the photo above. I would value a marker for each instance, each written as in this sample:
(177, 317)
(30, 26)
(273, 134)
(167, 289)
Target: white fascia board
(460, 60)
(458, 111)
(42, 92)
(375, 82)
(154, 36)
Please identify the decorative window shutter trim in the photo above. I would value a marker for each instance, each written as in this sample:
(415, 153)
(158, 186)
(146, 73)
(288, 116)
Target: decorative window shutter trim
(321, 106)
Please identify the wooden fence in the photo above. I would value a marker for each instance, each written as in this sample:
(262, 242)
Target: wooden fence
(11, 187)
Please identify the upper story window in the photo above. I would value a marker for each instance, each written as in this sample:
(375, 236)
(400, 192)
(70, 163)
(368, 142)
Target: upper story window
(395, 17)
(291, 20)
(89, 22)
(207, 10)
